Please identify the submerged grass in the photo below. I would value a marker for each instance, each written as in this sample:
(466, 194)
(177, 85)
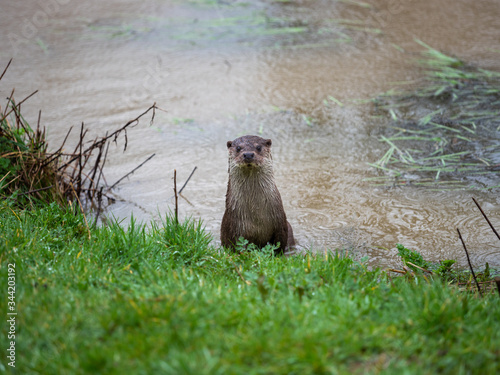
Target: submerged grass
(447, 129)
(163, 300)
(247, 24)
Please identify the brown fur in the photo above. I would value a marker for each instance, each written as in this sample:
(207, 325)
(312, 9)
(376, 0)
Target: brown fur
(254, 209)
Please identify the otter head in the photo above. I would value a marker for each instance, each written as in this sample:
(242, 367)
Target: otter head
(250, 153)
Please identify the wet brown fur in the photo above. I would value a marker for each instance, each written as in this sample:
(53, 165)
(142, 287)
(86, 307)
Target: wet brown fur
(254, 209)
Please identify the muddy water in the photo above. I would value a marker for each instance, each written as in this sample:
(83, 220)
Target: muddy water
(224, 69)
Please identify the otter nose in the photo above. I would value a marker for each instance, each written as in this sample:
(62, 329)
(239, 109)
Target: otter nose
(248, 156)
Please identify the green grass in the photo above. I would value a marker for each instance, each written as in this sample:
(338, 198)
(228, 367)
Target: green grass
(162, 299)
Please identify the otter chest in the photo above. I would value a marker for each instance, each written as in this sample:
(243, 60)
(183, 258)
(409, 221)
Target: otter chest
(257, 207)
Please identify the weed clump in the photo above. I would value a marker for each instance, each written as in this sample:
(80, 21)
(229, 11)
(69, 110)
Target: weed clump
(29, 172)
(414, 265)
(26, 168)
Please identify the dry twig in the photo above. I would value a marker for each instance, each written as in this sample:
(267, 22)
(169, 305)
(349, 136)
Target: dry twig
(176, 198)
(185, 183)
(486, 217)
(468, 260)
(132, 171)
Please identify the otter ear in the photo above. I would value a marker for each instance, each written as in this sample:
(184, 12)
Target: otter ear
(269, 142)
(229, 144)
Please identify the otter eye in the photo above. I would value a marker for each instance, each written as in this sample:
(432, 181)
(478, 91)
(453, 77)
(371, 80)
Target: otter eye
(259, 148)
(238, 148)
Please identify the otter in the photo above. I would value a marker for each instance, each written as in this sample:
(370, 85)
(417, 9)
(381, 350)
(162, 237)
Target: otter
(254, 209)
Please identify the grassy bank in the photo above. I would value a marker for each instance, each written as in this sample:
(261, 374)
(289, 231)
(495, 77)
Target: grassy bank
(164, 300)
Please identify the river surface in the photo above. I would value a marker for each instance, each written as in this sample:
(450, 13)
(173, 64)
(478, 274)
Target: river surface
(292, 71)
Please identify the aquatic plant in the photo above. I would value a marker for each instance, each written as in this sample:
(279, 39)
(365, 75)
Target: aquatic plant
(446, 129)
